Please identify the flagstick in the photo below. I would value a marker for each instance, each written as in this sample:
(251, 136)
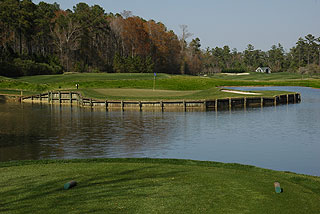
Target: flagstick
(154, 82)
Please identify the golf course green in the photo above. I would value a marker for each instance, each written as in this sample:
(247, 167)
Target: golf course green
(164, 86)
(152, 185)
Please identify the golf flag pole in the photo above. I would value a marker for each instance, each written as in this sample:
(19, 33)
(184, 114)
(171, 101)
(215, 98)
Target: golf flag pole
(154, 80)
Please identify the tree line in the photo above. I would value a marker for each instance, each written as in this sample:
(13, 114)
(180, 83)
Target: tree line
(44, 39)
(304, 58)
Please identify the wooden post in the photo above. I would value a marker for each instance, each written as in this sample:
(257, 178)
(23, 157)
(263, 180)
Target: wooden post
(216, 105)
(294, 98)
(78, 98)
(275, 100)
(122, 105)
(287, 98)
(106, 103)
(261, 102)
(245, 102)
(230, 103)
(205, 104)
(140, 105)
(21, 96)
(40, 97)
(161, 105)
(184, 105)
(91, 104)
(59, 97)
(70, 97)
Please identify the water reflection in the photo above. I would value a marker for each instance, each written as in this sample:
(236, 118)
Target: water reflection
(285, 137)
(52, 131)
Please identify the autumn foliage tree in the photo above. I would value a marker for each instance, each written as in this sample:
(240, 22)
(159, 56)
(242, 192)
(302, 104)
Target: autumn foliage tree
(148, 42)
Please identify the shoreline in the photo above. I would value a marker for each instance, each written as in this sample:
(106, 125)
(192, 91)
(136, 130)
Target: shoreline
(169, 161)
(76, 98)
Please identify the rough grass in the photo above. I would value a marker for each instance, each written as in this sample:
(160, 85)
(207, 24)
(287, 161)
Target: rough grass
(152, 186)
(85, 77)
(14, 92)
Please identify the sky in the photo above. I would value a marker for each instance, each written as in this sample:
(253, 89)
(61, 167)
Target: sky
(216, 23)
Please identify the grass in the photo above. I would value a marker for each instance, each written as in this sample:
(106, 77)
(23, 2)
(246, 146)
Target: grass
(85, 77)
(149, 94)
(142, 92)
(262, 76)
(99, 85)
(15, 92)
(152, 186)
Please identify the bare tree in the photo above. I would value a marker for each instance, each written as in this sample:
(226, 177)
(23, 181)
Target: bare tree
(126, 14)
(66, 34)
(318, 40)
(185, 35)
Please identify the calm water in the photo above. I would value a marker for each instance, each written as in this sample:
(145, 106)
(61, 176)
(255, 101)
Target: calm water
(284, 138)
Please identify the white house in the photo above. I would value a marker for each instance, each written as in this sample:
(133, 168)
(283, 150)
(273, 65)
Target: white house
(266, 70)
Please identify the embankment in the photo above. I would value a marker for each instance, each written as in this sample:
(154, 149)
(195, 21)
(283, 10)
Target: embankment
(75, 98)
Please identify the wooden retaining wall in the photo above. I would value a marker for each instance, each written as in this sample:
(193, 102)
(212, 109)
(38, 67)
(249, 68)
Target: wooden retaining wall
(75, 98)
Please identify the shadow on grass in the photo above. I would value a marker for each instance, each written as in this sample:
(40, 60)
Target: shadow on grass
(27, 194)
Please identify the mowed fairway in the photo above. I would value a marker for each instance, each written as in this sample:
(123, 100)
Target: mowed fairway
(142, 93)
(152, 186)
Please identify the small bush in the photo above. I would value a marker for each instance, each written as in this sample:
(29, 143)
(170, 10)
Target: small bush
(95, 70)
(19, 67)
(80, 67)
(310, 69)
(135, 64)
(9, 69)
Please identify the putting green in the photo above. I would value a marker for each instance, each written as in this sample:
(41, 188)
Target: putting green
(143, 92)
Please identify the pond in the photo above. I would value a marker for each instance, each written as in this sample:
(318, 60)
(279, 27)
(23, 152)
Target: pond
(285, 137)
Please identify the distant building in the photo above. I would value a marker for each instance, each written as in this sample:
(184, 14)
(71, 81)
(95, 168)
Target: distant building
(266, 70)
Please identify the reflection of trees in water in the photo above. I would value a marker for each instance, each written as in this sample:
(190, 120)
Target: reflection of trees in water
(18, 147)
(113, 134)
(21, 128)
(144, 131)
(51, 131)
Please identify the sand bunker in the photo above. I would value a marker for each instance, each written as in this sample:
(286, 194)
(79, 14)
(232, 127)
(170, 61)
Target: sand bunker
(240, 92)
(235, 74)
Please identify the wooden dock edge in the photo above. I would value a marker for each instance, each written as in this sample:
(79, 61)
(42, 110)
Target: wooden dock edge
(75, 98)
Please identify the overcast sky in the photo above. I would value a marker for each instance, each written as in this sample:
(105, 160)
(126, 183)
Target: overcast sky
(236, 23)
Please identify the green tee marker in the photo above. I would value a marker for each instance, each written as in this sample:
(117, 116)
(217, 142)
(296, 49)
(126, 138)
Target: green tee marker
(69, 185)
(277, 187)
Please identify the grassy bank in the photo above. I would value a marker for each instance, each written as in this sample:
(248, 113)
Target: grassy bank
(152, 186)
(97, 85)
(149, 94)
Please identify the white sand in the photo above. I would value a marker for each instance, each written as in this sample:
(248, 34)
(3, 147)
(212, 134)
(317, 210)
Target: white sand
(240, 92)
(236, 74)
